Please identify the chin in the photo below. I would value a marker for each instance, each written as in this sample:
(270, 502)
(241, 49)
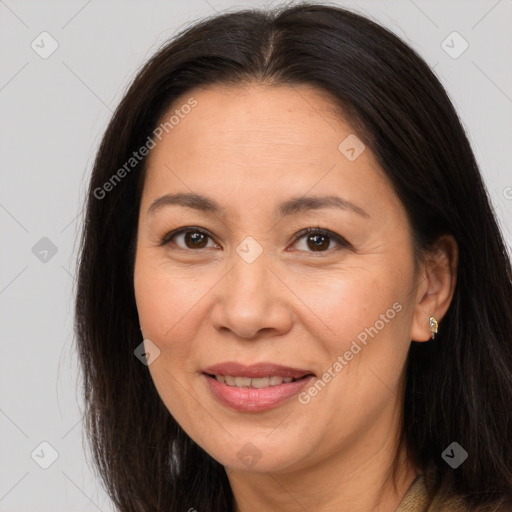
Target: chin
(258, 453)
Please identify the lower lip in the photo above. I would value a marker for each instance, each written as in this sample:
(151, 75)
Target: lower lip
(253, 399)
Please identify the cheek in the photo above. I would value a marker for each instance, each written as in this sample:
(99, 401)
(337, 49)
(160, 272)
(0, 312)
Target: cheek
(348, 304)
(168, 304)
(165, 297)
(366, 317)
(172, 304)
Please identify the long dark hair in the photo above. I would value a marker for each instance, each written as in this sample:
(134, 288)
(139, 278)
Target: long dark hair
(458, 388)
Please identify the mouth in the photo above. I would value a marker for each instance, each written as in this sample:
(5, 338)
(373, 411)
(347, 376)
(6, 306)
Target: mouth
(256, 382)
(254, 371)
(257, 387)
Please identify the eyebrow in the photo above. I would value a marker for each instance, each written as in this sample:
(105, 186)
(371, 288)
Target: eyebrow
(288, 207)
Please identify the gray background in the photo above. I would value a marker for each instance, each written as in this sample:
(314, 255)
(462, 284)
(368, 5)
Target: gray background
(53, 112)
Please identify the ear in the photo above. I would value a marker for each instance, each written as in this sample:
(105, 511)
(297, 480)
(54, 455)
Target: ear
(437, 277)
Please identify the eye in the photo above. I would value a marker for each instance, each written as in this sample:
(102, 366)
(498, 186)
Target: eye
(192, 238)
(316, 239)
(319, 240)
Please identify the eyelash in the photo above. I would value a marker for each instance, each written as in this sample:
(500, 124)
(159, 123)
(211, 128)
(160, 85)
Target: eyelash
(303, 233)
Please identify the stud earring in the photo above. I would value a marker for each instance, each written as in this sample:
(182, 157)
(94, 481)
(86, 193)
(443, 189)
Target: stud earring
(433, 326)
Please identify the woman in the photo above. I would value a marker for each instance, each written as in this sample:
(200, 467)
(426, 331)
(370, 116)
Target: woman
(293, 293)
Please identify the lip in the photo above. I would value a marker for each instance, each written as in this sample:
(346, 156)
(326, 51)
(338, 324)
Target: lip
(263, 369)
(253, 399)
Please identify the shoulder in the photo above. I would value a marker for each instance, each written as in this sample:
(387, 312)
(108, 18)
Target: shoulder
(446, 499)
(416, 498)
(451, 503)
(422, 497)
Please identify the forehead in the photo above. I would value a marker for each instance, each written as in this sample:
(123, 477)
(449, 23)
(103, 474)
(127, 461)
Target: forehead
(252, 125)
(271, 141)
(277, 114)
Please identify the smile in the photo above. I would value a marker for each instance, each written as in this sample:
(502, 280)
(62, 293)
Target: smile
(257, 382)
(258, 394)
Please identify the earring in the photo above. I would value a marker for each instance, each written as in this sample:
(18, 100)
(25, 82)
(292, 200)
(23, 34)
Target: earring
(433, 326)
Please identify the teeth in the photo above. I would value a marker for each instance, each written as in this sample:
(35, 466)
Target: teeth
(258, 383)
(242, 382)
(230, 381)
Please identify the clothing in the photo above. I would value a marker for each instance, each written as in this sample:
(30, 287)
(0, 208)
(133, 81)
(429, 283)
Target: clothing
(417, 499)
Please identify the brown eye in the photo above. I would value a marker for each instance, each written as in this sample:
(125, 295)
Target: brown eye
(188, 238)
(195, 240)
(319, 240)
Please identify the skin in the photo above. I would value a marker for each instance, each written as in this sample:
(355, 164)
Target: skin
(249, 148)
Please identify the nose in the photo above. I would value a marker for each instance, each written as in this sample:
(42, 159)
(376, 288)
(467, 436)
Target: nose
(252, 301)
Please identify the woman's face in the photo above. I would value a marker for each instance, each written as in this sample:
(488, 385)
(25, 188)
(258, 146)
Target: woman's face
(246, 295)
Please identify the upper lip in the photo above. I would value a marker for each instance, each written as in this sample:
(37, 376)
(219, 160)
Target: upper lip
(256, 370)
